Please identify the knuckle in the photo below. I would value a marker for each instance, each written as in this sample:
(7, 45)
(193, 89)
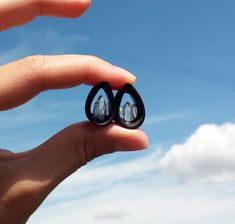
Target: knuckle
(36, 66)
(84, 146)
(76, 139)
(35, 63)
(89, 149)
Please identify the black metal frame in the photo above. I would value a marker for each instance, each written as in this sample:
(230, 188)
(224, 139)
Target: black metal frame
(115, 103)
(107, 89)
(129, 89)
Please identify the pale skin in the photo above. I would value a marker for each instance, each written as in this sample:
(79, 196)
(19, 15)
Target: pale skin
(27, 178)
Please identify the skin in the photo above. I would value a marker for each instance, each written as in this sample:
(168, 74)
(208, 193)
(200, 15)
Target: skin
(27, 178)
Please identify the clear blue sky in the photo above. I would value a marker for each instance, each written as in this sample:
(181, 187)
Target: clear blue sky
(182, 52)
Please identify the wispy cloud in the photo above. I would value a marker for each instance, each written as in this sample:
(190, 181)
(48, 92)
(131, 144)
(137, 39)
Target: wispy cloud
(37, 120)
(111, 212)
(111, 173)
(53, 42)
(33, 113)
(166, 117)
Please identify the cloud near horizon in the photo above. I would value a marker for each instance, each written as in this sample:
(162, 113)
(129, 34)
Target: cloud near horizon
(208, 155)
(136, 190)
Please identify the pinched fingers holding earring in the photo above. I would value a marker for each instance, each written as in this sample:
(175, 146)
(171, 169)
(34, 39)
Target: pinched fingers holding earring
(27, 178)
(30, 176)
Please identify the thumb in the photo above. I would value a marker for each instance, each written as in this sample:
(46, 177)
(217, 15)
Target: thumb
(37, 172)
(78, 144)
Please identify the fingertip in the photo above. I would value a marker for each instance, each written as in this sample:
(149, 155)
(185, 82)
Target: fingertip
(115, 138)
(129, 77)
(143, 140)
(80, 7)
(134, 140)
(127, 139)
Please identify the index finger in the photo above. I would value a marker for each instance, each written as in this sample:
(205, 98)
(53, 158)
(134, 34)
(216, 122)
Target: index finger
(15, 12)
(23, 79)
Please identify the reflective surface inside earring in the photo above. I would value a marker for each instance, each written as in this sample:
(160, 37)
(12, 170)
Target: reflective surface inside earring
(102, 111)
(131, 115)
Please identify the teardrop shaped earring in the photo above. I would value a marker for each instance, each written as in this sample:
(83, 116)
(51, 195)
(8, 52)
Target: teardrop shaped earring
(102, 112)
(131, 115)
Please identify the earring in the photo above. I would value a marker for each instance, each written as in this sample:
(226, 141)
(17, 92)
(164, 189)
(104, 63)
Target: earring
(102, 112)
(129, 116)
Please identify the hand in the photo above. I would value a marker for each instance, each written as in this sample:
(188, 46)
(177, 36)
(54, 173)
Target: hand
(27, 178)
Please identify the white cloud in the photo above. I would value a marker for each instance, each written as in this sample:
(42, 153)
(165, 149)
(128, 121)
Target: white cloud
(139, 194)
(208, 155)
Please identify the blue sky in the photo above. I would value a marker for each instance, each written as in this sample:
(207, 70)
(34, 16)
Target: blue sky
(182, 53)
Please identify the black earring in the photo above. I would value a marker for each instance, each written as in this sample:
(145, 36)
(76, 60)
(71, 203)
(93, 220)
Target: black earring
(129, 116)
(102, 112)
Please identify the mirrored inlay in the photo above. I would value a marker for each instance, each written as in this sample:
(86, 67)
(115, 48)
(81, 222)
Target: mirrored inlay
(134, 111)
(128, 112)
(101, 109)
(120, 112)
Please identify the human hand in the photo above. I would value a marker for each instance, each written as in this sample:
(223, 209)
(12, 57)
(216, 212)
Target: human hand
(27, 178)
